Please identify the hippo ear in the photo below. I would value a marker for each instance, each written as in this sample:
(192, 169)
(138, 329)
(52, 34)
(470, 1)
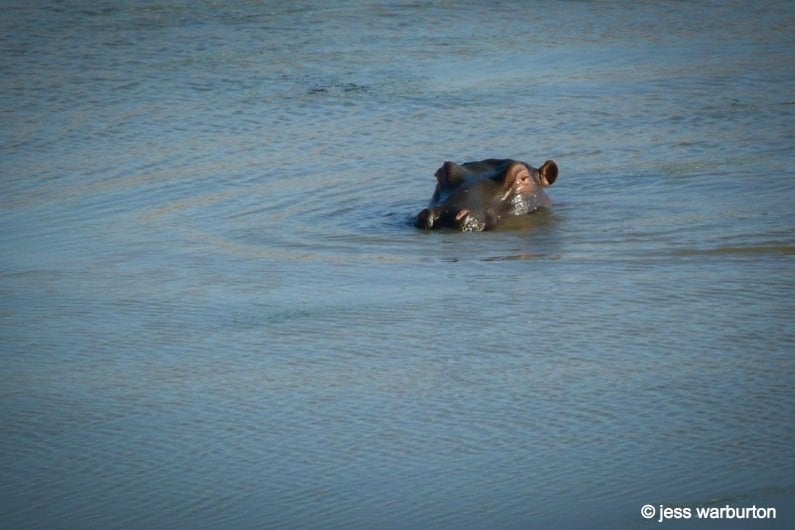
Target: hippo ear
(548, 173)
(450, 175)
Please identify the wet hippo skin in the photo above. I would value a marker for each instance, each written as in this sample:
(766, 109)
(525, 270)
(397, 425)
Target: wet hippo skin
(476, 196)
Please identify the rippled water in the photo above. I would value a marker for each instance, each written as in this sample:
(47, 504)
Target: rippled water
(215, 313)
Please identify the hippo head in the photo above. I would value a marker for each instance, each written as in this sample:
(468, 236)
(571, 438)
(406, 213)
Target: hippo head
(477, 195)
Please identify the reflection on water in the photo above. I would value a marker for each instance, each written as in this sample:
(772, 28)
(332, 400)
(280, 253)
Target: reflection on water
(740, 251)
(215, 310)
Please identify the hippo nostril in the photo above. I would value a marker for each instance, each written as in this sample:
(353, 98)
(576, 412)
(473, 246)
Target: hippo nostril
(425, 219)
(469, 222)
(461, 214)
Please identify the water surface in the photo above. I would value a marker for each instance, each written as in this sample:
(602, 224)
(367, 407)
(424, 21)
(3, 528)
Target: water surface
(215, 311)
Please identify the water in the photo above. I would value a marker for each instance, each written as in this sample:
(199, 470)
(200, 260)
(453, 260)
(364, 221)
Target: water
(215, 313)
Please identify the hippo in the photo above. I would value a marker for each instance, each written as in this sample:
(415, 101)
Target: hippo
(476, 196)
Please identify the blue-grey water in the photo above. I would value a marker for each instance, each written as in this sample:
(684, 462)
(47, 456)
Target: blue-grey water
(216, 313)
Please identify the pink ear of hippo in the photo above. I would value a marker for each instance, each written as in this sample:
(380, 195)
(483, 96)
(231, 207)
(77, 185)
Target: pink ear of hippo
(548, 172)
